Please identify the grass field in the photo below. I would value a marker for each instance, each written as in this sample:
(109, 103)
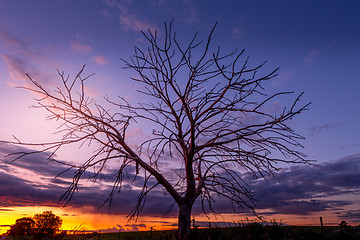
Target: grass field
(252, 231)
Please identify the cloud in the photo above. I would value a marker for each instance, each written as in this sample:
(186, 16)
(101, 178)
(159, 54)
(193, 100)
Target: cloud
(92, 92)
(353, 215)
(110, 230)
(190, 12)
(37, 163)
(110, 3)
(106, 13)
(18, 67)
(128, 19)
(134, 23)
(237, 33)
(17, 192)
(134, 227)
(300, 189)
(6, 210)
(306, 189)
(100, 60)
(45, 190)
(311, 56)
(81, 48)
(322, 128)
(9, 40)
(283, 77)
(20, 58)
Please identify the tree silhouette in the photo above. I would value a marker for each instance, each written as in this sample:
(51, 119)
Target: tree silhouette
(47, 224)
(209, 112)
(22, 227)
(41, 226)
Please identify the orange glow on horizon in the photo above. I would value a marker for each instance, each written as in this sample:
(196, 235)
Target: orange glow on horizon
(73, 220)
(78, 219)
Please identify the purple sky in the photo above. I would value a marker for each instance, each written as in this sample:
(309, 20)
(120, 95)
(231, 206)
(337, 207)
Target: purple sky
(316, 44)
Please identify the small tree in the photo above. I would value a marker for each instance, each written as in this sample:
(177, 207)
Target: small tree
(47, 224)
(209, 112)
(22, 227)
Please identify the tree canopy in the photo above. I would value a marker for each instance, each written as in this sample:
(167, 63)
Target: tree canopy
(42, 225)
(47, 223)
(23, 227)
(210, 115)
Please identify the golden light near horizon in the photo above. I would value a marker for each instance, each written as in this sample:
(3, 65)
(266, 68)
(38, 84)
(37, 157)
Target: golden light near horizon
(80, 220)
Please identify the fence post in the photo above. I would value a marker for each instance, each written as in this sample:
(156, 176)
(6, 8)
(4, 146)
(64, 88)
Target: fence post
(322, 225)
(119, 234)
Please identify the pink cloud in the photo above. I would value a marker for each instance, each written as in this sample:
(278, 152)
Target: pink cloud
(310, 57)
(80, 47)
(9, 40)
(18, 67)
(282, 78)
(132, 22)
(92, 92)
(127, 19)
(100, 60)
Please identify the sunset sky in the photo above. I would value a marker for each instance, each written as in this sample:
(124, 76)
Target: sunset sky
(316, 44)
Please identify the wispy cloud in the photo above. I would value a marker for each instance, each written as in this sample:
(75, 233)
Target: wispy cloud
(237, 33)
(322, 128)
(18, 67)
(92, 92)
(100, 60)
(81, 48)
(311, 56)
(6, 210)
(20, 57)
(134, 23)
(190, 11)
(128, 18)
(9, 40)
(283, 77)
(110, 3)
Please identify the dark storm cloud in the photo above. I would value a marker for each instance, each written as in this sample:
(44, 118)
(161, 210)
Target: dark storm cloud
(351, 215)
(300, 189)
(17, 192)
(37, 163)
(294, 190)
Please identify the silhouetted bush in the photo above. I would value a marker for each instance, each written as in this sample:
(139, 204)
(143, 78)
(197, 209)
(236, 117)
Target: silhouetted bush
(41, 226)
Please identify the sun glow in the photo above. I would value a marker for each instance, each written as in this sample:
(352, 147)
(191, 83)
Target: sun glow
(79, 220)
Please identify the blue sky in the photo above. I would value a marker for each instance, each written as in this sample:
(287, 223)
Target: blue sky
(316, 44)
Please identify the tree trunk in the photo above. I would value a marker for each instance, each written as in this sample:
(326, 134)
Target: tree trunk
(184, 222)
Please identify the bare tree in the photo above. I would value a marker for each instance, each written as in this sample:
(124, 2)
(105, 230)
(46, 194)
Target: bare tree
(209, 112)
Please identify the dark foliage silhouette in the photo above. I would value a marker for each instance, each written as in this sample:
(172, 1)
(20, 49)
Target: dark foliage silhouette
(42, 226)
(22, 227)
(47, 224)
